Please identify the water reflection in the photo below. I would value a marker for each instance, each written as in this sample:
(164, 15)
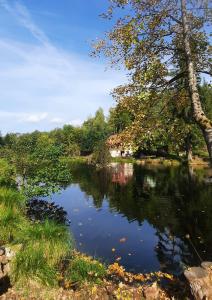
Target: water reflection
(153, 209)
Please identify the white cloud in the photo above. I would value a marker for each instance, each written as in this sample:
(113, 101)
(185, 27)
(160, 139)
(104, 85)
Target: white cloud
(21, 13)
(76, 122)
(57, 120)
(40, 78)
(23, 117)
(35, 118)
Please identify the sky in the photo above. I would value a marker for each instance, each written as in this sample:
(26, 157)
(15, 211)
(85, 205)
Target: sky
(47, 76)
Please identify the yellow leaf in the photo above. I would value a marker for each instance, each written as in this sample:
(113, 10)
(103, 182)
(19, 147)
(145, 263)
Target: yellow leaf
(122, 240)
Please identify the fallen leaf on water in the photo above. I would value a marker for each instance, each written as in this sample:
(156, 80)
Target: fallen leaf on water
(123, 240)
(113, 249)
(118, 258)
(168, 276)
(129, 254)
(80, 224)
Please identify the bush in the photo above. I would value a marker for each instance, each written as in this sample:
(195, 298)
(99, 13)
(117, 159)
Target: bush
(72, 150)
(7, 173)
(101, 156)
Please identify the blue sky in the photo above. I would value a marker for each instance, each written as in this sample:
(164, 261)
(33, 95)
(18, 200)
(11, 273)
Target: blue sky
(47, 77)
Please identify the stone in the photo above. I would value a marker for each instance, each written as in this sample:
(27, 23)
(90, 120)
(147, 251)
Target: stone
(151, 292)
(2, 251)
(3, 260)
(200, 280)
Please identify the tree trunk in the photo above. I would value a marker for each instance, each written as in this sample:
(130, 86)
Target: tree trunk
(204, 123)
(208, 138)
(189, 148)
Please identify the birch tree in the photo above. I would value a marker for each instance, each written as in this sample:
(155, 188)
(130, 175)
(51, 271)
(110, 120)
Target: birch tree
(148, 38)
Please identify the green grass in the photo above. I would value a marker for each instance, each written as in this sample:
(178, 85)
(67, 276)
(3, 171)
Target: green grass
(76, 159)
(7, 173)
(124, 159)
(44, 245)
(41, 247)
(11, 198)
(83, 268)
(30, 263)
(56, 238)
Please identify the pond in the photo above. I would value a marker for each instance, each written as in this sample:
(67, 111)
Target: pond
(147, 219)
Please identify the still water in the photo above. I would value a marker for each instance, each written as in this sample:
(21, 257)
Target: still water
(141, 217)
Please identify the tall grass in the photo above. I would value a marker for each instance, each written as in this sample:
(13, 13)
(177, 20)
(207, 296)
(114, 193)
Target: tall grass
(83, 268)
(11, 198)
(42, 245)
(56, 238)
(30, 263)
(12, 219)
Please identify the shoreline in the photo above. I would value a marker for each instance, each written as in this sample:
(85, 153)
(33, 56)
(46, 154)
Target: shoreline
(41, 256)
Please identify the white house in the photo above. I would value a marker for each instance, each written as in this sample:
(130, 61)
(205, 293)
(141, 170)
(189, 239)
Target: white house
(117, 148)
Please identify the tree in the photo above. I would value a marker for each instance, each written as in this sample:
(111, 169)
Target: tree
(94, 131)
(148, 39)
(119, 119)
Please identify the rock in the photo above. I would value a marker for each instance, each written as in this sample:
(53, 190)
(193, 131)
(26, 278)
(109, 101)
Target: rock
(2, 251)
(9, 253)
(4, 261)
(200, 280)
(151, 292)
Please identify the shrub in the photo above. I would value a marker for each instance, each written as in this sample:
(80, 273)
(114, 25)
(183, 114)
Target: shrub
(101, 156)
(7, 173)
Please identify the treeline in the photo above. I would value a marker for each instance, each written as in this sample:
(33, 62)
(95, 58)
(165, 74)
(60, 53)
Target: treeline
(70, 141)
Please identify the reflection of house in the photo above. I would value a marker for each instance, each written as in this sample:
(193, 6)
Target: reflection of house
(121, 173)
(117, 147)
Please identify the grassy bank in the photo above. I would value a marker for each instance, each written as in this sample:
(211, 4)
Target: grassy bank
(43, 251)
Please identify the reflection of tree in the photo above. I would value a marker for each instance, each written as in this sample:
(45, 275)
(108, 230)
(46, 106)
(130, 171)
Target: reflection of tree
(171, 200)
(171, 251)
